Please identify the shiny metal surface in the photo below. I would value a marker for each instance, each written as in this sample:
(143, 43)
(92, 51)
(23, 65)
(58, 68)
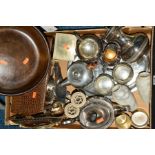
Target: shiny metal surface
(112, 53)
(133, 46)
(54, 90)
(90, 89)
(123, 121)
(64, 47)
(98, 113)
(50, 91)
(60, 91)
(57, 108)
(78, 75)
(24, 59)
(68, 121)
(122, 73)
(139, 66)
(119, 109)
(89, 47)
(140, 118)
(78, 99)
(71, 111)
(104, 84)
(140, 45)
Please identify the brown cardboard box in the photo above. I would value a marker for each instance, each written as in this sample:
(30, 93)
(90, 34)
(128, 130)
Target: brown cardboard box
(129, 30)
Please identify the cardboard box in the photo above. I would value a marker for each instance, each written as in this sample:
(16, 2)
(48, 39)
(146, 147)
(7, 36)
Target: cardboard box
(100, 32)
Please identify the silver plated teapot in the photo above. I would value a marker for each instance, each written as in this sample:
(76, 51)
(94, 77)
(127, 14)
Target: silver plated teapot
(78, 75)
(133, 46)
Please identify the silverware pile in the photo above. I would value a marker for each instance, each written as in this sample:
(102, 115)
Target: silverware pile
(105, 71)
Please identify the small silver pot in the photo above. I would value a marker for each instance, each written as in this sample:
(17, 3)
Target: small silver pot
(78, 75)
(122, 73)
(133, 46)
(104, 84)
(89, 47)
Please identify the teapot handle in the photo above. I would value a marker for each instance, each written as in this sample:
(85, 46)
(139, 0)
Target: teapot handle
(65, 82)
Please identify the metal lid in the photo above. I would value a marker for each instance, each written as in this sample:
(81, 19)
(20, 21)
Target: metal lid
(79, 75)
(139, 119)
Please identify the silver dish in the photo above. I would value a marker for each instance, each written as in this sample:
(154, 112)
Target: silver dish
(98, 113)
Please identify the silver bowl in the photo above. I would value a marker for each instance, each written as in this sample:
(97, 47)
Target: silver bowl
(104, 84)
(122, 73)
(89, 47)
(98, 113)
